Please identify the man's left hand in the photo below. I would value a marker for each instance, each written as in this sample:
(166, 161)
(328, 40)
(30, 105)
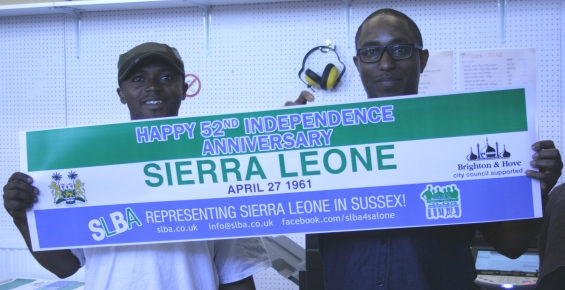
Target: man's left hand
(547, 160)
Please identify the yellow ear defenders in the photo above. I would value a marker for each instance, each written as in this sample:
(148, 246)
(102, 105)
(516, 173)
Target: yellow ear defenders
(331, 75)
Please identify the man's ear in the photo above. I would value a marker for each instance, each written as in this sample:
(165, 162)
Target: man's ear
(184, 89)
(424, 55)
(122, 97)
(356, 62)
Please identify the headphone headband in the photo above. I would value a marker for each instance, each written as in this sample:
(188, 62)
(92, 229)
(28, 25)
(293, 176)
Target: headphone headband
(324, 49)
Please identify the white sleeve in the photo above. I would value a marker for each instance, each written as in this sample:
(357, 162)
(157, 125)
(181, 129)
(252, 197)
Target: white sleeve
(79, 253)
(237, 259)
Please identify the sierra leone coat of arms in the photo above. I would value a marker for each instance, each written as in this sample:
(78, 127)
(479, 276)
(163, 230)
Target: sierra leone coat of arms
(69, 193)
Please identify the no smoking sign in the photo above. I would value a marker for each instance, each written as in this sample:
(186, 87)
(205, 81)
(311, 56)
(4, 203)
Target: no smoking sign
(194, 85)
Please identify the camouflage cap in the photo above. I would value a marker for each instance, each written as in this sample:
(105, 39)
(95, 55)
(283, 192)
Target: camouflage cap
(129, 59)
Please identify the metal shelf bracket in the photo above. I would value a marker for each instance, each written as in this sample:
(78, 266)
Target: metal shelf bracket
(77, 14)
(348, 21)
(502, 11)
(207, 22)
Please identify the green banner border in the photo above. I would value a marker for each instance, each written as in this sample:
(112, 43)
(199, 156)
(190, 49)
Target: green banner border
(416, 118)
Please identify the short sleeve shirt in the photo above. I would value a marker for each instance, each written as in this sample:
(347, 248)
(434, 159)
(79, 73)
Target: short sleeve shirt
(187, 265)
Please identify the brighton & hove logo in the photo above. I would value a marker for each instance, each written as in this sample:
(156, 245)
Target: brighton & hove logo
(69, 193)
(488, 152)
(442, 202)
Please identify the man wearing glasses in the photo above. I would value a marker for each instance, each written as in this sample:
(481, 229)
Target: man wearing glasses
(390, 58)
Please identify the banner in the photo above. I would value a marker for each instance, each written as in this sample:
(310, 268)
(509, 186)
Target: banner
(385, 163)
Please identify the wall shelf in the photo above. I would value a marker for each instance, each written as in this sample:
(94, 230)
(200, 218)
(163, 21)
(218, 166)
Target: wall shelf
(76, 8)
(105, 5)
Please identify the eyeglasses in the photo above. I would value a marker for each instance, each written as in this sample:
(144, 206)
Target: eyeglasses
(396, 51)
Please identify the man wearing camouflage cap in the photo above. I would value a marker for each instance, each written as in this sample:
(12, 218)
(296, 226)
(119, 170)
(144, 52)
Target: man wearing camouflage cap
(152, 85)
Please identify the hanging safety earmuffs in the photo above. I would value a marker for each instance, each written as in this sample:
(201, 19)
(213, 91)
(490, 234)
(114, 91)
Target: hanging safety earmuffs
(331, 75)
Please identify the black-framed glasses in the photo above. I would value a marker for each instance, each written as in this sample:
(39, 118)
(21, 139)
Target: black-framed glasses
(396, 51)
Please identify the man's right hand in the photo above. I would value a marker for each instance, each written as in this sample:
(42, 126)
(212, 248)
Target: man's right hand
(305, 97)
(19, 195)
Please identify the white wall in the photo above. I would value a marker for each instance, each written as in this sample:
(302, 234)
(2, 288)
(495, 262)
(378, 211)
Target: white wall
(255, 52)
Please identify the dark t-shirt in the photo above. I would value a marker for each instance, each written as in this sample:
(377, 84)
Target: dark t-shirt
(551, 242)
(432, 258)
